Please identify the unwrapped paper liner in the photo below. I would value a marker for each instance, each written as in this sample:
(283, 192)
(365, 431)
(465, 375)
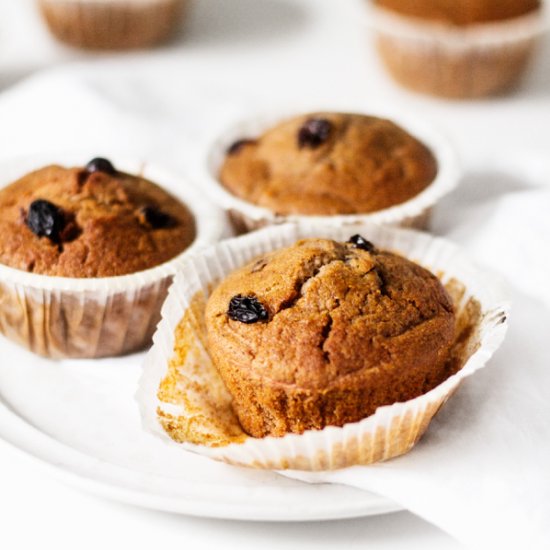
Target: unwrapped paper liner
(393, 429)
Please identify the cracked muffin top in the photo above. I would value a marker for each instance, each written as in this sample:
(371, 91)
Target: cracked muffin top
(92, 221)
(322, 333)
(463, 12)
(328, 163)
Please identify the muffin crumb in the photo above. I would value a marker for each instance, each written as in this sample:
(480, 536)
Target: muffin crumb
(74, 222)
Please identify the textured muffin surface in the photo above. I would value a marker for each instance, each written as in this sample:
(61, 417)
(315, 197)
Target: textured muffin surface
(462, 12)
(328, 163)
(345, 331)
(112, 224)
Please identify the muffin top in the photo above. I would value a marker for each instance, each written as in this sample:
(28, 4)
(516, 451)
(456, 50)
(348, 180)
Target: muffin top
(461, 12)
(90, 222)
(328, 163)
(314, 314)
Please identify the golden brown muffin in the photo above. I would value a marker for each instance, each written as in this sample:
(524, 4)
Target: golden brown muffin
(461, 12)
(329, 163)
(90, 222)
(113, 24)
(322, 333)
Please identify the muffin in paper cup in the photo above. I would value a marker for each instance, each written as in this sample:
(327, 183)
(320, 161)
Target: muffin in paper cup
(113, 24)
(62, 317)
(184, 401)
(247, 216)
(457, 62)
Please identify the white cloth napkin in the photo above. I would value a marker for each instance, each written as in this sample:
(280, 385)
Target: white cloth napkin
(482, 471)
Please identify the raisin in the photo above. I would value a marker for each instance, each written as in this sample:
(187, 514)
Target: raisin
(100, 165)
(155, 217)
(235, 147)
(246, 309)
(360, 242)
(45, 219)
(314, 132)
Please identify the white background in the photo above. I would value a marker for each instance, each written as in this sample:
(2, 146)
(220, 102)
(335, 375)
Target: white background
(280, 49)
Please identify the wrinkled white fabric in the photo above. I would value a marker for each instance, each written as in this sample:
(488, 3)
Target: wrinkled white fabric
(482, 472)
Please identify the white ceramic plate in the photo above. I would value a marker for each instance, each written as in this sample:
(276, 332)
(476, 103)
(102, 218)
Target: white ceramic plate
(79, 419)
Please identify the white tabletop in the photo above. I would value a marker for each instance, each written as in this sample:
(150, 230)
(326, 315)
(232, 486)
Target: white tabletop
(283, 49)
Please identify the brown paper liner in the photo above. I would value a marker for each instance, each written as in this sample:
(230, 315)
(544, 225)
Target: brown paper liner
(61, 324)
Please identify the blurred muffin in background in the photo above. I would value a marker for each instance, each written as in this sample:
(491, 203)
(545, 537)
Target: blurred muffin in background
(113, 24)
(464, 12)
(457, 49)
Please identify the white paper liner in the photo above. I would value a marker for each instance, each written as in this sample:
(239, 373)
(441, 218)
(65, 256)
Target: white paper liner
(102, 316)
(411, 213)
(457, 61)
(393, 429)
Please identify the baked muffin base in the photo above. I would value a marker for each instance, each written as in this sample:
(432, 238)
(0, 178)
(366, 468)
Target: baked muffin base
(78, 324)
(113, 25)
(444, 61)
(188, 403)
(242, 223)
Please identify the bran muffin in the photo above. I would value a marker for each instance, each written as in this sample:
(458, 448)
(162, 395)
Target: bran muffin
(465, 12)
(323, 333)
(113, 24)
(467, 49)
(87, 255)
(328, 164)
(90, 222)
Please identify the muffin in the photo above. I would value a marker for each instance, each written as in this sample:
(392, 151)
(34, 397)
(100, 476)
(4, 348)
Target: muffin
(332, 166)
(113, 24)
(86, 256)
(323, 333)
(304, 346)
(466, 12)
(328, 163)
(464, 49)
(90, 222)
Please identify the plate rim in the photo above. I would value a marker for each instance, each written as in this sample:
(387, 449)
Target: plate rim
(91, 474)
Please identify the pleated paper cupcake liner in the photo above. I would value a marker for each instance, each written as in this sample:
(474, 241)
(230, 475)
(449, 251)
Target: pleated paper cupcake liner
(457, 62)
(96, 317)
(181, 393)
(412, 213)
(113, 24)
